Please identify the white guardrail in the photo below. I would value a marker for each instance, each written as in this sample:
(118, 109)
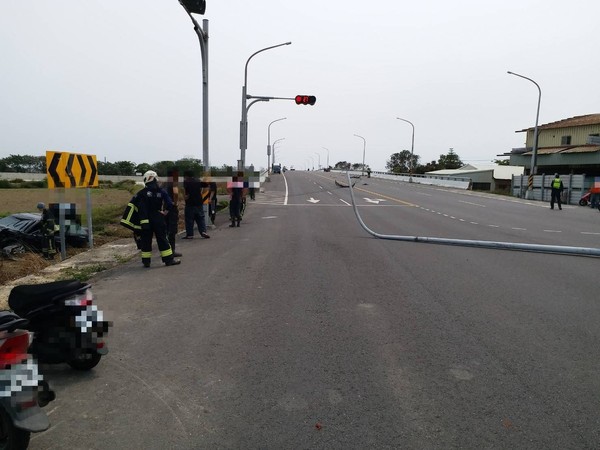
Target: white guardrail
(445, 181)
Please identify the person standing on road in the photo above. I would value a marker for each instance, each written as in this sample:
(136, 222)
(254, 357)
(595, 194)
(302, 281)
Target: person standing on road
(153, 205)
(48, 232)
(236, 195)
(194, 211)
(172, 217)
(557, 188)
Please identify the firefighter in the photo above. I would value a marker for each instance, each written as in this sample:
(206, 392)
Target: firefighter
(49, 229)
(172, 217)
(153, 204)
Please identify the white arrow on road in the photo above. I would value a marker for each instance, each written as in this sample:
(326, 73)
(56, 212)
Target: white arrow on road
(374, 200)
(312, 200)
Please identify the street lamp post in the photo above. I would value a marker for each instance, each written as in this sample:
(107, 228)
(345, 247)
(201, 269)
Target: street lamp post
(269, 144)
(319, 164)
(529, 193)
(203, 39)
(412, 147)
(278, 140)
(327, 156)
(364, 148)
(244, 121)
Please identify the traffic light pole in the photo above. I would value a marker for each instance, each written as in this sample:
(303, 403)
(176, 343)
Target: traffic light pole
(245, 96)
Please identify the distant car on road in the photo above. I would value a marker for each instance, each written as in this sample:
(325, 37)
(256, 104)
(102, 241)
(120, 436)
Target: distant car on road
(276, 168)
(24, 229)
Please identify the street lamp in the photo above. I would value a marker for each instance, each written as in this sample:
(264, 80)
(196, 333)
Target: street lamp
(269, 144)
(278, 140)
(529, 193)
(412, 147)
(244, 121)
(327, 156)
(313, 162)
(364, 148)
(203, 39)
(319, 165)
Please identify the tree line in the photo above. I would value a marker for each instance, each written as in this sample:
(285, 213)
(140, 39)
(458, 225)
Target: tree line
(37, 164)
(400, 162)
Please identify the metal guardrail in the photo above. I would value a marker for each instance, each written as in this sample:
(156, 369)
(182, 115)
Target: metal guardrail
(536, 248)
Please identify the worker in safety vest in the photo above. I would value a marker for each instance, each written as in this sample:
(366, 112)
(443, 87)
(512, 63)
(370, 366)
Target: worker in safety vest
(557, 188)
(49, 229)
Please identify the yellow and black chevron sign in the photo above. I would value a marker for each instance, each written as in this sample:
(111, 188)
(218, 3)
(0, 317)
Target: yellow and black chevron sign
(68, 170)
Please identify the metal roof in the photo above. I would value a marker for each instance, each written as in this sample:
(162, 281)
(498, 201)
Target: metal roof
(577, 121)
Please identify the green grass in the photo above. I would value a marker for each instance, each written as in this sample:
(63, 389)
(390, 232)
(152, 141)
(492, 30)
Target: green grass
(83, 274)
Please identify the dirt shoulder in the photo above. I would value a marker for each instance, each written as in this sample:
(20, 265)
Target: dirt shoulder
(86, 263)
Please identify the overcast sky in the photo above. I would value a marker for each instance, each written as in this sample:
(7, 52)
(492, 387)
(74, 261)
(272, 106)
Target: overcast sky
(121, 79)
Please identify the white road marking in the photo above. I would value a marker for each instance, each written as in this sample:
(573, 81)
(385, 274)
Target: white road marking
(553, 231)
(470, 203)
(269, 217)
(520, 229)
(494, 226)
(590, 232)
(312, 200)
(329, 193)
(474, 223)
(344, 201)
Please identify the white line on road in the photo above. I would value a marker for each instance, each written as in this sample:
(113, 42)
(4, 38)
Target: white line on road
(344, 201)
(590, 232)
(494, 226)
(269, 217)
(329, 193)
(474, 223)
(519, 229)
(470, 203)
(552, 231)
(286, 190)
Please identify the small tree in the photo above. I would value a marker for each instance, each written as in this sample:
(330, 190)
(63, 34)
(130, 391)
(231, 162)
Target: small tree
(401, 162)
(449, 161)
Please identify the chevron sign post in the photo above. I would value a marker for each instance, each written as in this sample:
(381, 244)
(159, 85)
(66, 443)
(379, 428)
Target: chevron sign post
(71, 170)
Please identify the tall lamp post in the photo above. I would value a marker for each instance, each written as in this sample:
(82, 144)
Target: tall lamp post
(319, 163)
(269, 144)
(198, 7)
(412, 148)
(278, 140)
(327, 156)
(529, 193)
(364, 148)
(244, 121)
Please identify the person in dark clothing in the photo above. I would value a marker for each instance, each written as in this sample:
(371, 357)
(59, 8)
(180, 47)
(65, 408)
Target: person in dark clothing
(153, 204)
(557, 188)
(236, 197)
(194, 212)
(48, 232)
(172, 217)
(213, 202)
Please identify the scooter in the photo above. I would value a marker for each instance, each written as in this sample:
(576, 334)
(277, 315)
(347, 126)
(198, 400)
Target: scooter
(67, 326)
(22, 389)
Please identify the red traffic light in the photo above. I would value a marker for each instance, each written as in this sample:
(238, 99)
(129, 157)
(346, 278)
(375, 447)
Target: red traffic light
(305, 99)
(194, 6)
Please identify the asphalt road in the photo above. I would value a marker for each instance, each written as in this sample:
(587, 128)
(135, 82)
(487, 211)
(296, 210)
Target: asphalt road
(299, 330)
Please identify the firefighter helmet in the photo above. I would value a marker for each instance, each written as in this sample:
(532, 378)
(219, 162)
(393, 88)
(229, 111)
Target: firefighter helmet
(149, 176)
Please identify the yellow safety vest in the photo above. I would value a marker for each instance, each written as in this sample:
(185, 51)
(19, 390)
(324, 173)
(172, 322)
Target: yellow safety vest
(556, 183)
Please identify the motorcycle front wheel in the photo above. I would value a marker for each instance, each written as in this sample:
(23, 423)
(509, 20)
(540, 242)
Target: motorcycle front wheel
(85, 361)
(11, 437)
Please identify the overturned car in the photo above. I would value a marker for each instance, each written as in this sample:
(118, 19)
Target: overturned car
(22, 232)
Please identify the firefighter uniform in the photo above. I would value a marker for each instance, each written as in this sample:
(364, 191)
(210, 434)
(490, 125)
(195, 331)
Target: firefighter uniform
(146, 210)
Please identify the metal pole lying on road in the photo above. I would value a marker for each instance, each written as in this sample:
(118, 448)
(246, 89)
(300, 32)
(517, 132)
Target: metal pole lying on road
(536, 248)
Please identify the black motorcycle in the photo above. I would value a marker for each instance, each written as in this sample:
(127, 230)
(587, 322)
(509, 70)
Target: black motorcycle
(22, 389)
(67, 326)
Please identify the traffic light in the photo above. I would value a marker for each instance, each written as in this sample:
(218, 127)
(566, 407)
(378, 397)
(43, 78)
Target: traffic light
(305, 99)
(194, 6)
